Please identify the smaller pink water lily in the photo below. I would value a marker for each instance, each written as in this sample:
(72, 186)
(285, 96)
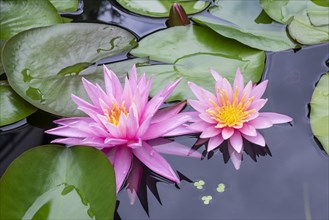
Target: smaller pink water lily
(128, 127)
(232, 113)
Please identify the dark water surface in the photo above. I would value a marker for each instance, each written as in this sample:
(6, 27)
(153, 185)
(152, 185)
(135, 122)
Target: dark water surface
(291, 184)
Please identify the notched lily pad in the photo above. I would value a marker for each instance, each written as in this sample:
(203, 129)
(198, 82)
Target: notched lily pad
(59, 183)
(12, 107)
(319, 115)
(161, 8)
(45, 65)
(308, 21)
(252, 27)
(188, 53)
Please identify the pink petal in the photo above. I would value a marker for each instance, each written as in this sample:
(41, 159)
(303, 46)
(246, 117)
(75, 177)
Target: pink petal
(91, 90)
(238, 81)
(159, 129)
(260, 123)
(122, 163)
(236, 141)
(227, 132)
(201, 94)
(258, 91)
(248, 130)
(67, 131)
(258, 104)
(247, 90)
(210, 132)
(198, 105)
(134, 180)
(258, 139)
(216, 75)
(153, 160)
(276, 118)
(214, 142)
(175, 148)
(235, 157)
(132, 122)
(133, 77)
(69, 141)
(207, 118)
(112, 83)
(166, 113)
(67, 121)
(180, 130)
(200, 126)
(226, 86)
(115, 141)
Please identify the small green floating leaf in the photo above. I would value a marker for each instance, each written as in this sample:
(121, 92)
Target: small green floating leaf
(189, 52)
(220, 188)
(206, 199)
(55, 182)
(199, 184)
(319, 115)
(20, 15)
(308, 21)
(161, 8)
(12, 107)
(47, 81)
(65, 5)
(250, 27)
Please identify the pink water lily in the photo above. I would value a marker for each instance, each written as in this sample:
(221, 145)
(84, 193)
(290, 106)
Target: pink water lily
(232, 113)
(128, 127)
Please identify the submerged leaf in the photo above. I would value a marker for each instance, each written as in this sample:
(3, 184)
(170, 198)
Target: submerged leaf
(13, 107)
(58, 183)
(161, 8)
(188, 53)
(319, 116)
(48, 81)
(250, 27)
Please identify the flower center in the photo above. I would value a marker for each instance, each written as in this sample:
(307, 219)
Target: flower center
(231, 114)
(114, 115)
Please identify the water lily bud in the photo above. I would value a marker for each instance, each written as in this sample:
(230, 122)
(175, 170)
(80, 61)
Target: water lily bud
(177, 16)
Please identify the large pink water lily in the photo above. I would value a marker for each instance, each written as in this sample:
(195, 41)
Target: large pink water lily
(232, 113)
(127, 126)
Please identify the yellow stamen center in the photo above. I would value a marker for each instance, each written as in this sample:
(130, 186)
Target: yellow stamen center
(114, 115)
(231, 114)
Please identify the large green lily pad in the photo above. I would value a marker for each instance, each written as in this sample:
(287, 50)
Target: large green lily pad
(13, 107)
(65, 5)
(19, 15)
(251, 27)
(319, 116)
(308, 21)
(188, 52)
(55, 182)
(45, 65)
(161, 8)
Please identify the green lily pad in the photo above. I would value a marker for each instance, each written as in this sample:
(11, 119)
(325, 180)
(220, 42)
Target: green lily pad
(13, 107)
(19, 15)
(308, 21)
(252, 27)
(319, 115)
(161, 8)
(65, 5)
(45, 65)
(189, 51)
(2, 43)
(56, 182)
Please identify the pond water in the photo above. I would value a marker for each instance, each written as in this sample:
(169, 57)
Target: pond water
(289, 180)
